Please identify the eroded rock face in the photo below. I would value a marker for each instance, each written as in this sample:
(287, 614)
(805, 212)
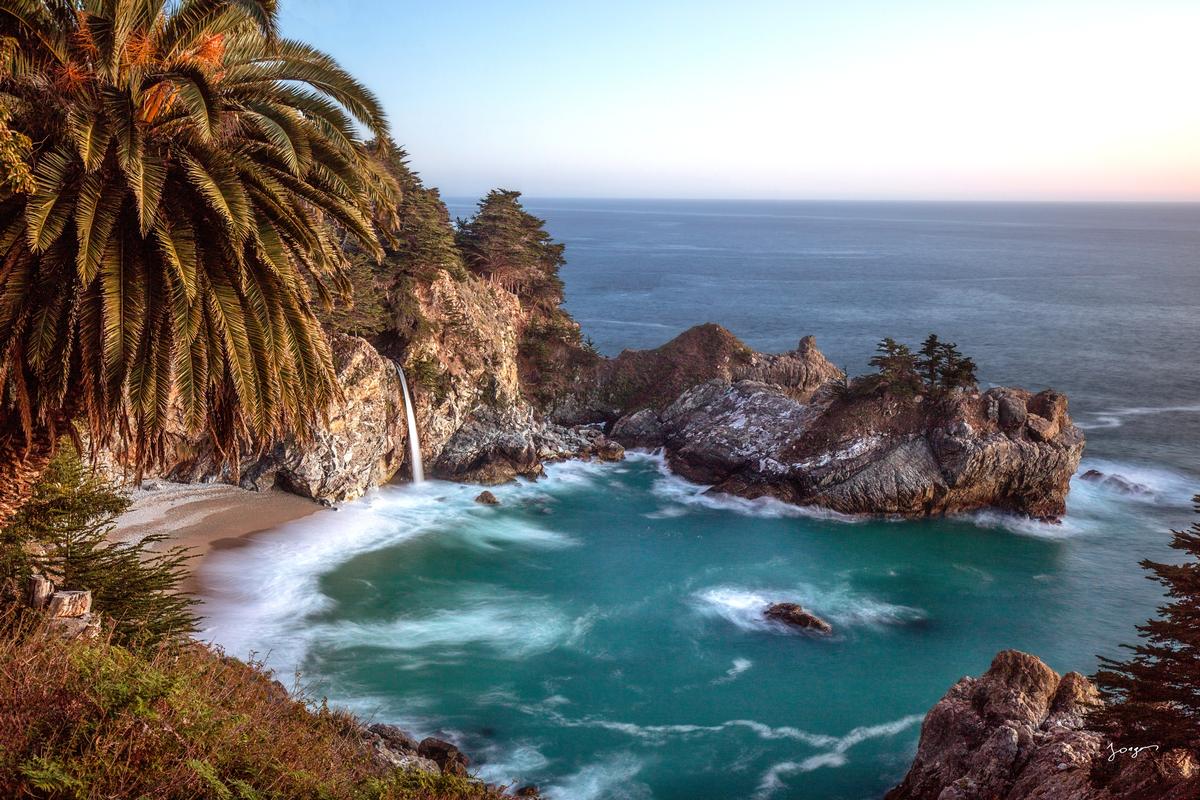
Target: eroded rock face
(1020, 732)
(874, 455)
(362, 443)
(496, 448)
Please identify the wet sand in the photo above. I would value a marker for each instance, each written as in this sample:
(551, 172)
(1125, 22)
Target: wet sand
(206, 518)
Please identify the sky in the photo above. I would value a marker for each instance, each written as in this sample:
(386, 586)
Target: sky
(782, 99)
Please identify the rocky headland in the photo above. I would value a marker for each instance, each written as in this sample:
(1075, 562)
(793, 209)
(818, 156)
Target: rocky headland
(1020, 732)
(747, 423)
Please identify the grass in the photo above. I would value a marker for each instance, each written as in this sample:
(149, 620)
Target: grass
(84, 720)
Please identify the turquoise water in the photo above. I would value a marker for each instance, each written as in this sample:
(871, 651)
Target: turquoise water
(599, 632)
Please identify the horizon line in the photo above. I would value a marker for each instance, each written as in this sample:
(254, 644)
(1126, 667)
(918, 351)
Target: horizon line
(843, 200)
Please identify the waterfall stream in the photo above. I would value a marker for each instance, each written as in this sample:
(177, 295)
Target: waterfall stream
(414, 440)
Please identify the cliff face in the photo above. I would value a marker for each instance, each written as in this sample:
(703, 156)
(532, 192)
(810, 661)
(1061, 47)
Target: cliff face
(361, 443)
(777, 426)
(1020, 732)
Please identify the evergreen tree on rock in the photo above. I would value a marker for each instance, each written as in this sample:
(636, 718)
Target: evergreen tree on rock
(1153, 697)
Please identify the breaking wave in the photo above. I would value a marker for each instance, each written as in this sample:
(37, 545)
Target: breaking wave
(744, 607)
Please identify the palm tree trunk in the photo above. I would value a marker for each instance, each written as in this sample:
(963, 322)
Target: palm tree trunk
(21, 464)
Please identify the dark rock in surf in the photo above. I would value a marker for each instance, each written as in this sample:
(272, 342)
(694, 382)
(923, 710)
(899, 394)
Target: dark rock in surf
(795, 615)
(487, 498)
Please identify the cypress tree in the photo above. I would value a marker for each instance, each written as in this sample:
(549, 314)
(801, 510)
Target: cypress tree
(1154, 696)
(932, 357)
(510, 246)
(897, 367)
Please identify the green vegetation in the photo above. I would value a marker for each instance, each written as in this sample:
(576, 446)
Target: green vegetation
(936, 369)
(511, 247)
(1154, 696)
(195, 174)
(94, 720)
(62, 533)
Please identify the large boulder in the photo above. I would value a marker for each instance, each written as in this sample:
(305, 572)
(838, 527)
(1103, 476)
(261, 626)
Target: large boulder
(496, 448)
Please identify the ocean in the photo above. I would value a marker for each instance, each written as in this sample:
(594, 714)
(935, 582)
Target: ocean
(598, 634)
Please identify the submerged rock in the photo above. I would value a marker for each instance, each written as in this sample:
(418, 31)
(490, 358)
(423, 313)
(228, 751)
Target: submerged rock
(795, 615)
(1117, 483)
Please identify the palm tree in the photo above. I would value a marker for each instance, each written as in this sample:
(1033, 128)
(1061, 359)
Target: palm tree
(193, 175)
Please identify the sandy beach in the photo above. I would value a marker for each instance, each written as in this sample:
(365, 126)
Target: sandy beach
(206, 517)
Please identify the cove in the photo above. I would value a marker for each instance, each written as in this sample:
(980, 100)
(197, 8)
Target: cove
(600, 632)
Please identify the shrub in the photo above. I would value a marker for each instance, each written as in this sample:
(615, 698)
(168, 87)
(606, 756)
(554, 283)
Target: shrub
(85, 720)
(63, 532)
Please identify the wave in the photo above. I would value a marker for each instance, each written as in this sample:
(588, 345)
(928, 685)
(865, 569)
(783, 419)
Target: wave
(740, 665)
(833, 749)
(611, 779)
(834, 757)
(1160, 485)
(509, 623)
(744, 607)
(1115, 418)
(1092, 506)
(265, 591)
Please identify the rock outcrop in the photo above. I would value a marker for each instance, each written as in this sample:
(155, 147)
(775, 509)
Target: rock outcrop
(1003, 448)
(361, 444)
(495, 448)
(653, 379)
(1020, 732)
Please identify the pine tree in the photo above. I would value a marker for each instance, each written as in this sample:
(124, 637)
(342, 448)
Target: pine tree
(956, 370)
(932, 357)
(897, 367)
(1154, 696)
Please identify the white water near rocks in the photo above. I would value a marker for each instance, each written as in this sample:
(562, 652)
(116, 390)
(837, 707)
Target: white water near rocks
(414, 440)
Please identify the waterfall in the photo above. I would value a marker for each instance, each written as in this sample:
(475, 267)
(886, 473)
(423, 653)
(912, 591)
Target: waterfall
(414, 441)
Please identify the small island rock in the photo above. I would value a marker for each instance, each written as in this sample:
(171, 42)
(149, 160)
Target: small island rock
(487, 498)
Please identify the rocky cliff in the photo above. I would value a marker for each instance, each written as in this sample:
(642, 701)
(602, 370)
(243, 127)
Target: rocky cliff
(1020, 732)
(784, 426)
(360, 443)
